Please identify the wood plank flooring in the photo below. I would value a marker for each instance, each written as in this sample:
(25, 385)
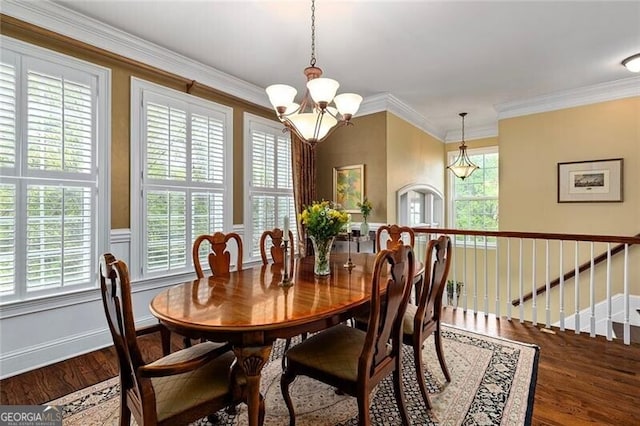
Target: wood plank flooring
(581, 380)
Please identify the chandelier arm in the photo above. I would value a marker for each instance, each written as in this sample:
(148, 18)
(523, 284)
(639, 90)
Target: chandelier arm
(316, 130)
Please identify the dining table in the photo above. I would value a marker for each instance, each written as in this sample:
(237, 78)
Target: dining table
(252, 307)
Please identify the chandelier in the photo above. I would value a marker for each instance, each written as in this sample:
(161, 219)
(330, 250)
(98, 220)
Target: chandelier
(462, 167)
(315, 117)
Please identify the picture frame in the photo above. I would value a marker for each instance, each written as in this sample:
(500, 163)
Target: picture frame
(348, 187)
(596, 181)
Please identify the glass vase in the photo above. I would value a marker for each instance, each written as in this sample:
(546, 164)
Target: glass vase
(322, 254)
(364, 228)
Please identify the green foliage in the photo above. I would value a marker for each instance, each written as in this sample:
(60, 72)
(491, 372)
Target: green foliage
(458, 284)
(365, 207)
(323, 219)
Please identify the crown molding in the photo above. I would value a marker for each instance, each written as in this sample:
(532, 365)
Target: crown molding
(602, 92)
(471, 133)
(64, 21)
(388, 102)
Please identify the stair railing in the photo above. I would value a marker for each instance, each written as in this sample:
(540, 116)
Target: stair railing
(492, 269)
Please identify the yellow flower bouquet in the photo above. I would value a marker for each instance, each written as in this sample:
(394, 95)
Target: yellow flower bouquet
(323, 221)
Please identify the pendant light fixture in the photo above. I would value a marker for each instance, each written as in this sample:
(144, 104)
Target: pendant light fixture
(462, 167)
(314, 118)
(632, 63)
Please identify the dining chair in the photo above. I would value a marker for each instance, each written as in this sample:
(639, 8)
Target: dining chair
(178, 388)
(423, 319)
(395, 234)
(218, 257)
(276, 249)
(355, 361)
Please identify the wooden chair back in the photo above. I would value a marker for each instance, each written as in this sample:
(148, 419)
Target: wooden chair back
(219, 258)
(424, 319)
(276, 248)
(395, 234)
(437, 265)
(353, 360)
(116, 299)
(386, 311)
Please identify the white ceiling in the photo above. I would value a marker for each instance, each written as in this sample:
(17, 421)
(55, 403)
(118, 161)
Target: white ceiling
(437, 57)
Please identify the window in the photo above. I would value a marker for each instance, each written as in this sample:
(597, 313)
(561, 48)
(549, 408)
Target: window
(53, 195)
(474, 201)
(268, 181)
(183, 176)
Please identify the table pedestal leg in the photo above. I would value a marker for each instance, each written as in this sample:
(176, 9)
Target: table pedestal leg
(251, 360)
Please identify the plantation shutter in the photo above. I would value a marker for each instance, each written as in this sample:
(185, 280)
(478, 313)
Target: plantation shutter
(8, 211)
(60, 219)
(48, 158)
(271, 181)
(184, 185)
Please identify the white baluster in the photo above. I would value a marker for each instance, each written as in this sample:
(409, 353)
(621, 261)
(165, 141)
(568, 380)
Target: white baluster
(497, 278)
(547, 295)
(486, 279)
(592, 296)
(561, 286)
(475, 274)
(627, 326)
(534, 295)
(464, 274)
(576, 280)
(609, 324)
(509, 279)
(521, 282)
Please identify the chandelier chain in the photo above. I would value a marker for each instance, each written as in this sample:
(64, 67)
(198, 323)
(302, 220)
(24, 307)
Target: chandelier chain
(313, 33)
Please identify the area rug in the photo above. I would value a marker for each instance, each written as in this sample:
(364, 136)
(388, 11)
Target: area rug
(493, 383)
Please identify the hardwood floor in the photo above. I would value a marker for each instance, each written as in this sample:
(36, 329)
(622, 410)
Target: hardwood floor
(581, 380)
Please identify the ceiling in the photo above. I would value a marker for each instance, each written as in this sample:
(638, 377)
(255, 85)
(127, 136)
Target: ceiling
(439, 58)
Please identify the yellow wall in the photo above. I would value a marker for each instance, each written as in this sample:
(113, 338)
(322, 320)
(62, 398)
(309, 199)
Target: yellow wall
(395, 153)
(413, 156)
(530, 148)
(362, 143)
(122, 69)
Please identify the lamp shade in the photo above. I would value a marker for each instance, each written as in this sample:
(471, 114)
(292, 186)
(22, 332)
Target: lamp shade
(462, 167)
(281, 95)
(322, 90)
(632, 63)
(463, 171)
(348, 103)
(306, 124)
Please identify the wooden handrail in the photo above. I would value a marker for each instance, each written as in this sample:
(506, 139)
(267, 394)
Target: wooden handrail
(586, 265)
(620, 241)
(533, 235)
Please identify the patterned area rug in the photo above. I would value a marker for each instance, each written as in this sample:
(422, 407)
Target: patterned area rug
(493, 382)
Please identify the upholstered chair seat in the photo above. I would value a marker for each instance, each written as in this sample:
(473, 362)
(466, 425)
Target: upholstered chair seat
(182, 392)
(335, 351)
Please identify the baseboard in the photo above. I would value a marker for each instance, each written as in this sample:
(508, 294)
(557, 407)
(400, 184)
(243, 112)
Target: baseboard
(30, 358)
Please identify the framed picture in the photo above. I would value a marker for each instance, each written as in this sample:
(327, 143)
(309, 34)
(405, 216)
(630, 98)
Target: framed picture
(348, 187)
(598, 181)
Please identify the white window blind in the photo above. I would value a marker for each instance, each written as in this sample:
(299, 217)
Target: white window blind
(268, 181)
(52, 206)
(184, 164)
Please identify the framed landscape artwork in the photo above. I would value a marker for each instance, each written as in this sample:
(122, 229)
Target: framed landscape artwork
(590, 181)
(348, 187)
